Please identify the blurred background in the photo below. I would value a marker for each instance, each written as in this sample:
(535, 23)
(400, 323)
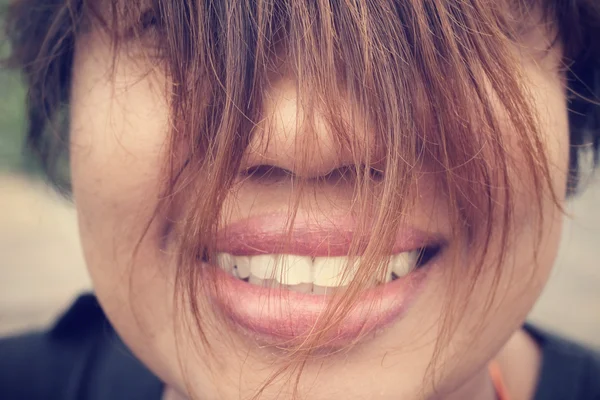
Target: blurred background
(42, 268)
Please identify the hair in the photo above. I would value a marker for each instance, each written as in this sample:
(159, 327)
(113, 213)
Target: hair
(421, 74)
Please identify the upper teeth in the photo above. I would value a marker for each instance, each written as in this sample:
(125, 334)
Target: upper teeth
(293, 270)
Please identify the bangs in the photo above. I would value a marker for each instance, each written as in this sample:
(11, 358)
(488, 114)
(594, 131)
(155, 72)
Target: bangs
(407, 88)
(419, 80)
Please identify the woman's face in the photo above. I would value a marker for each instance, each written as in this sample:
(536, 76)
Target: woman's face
(119, 128)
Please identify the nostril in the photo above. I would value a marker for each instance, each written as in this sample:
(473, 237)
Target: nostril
(376, 174)
(271, 173)
(351, 171)
(345, 173)
(266, 172)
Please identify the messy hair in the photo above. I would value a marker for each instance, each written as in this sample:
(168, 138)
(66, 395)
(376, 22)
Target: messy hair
(424, 76)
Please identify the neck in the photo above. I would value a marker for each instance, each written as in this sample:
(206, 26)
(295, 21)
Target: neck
(172, 394)
(519, 362)
(478, 387)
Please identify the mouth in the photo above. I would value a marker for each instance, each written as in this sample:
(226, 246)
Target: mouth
(317, 275)
(277, 287)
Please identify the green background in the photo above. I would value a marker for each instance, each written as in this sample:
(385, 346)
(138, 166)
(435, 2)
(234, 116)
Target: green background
(13, 157)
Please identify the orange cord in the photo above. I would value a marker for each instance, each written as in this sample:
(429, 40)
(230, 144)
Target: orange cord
(498, 380)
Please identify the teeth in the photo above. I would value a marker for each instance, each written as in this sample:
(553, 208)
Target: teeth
(267, 283)
(302, 274)
(329, 271)
(271, 283)
(388, 273)
(403, 263)
(263, 266)
(226, 261)
(294, 270)
(301, 288)
(286, 269)
(255, 281)
(242, 266)
(321, 290)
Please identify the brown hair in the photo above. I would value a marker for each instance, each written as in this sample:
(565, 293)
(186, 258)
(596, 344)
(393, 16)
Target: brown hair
(421, 74)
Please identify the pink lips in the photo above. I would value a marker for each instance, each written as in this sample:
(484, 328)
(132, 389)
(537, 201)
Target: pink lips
(280, 316)
(268, 235)
(276, 314)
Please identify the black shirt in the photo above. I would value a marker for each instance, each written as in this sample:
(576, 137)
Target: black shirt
(81, 358)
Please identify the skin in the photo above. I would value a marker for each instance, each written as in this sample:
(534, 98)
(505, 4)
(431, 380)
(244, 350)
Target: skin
(119, 126)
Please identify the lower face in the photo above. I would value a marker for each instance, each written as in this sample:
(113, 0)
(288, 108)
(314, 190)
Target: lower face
(119, 126)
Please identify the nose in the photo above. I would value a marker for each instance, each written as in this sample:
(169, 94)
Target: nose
(290, 138)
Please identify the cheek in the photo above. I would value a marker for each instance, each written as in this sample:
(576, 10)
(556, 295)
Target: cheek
(118, 133)
(119, 129)
(118, 138)
(549, 99)
(118, 126)
(535, 242)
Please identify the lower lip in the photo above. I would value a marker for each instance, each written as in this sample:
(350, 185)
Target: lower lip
(284, 316)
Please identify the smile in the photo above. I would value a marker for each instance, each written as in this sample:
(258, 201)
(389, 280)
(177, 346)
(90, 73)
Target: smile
(278, 286)
(315, 275)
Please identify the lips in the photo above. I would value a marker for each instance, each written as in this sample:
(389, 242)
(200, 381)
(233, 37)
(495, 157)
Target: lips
(268, 235)
(267, 303)
(279, 317)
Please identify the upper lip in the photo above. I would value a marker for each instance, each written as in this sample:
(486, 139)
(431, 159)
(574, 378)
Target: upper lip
(268, 234)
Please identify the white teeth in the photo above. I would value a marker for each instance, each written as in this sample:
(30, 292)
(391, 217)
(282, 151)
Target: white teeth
(294, 270)
(329, 271)
(388, 272)
(403, 263)
(263, 266)
(226, 261)
(321, 290)
(301, 288)
(255, 281)
(271, 283)
(242, 266)
(302, 274)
